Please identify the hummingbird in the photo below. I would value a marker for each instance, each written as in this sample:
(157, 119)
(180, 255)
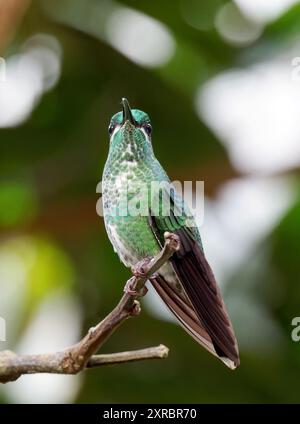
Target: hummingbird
(185, 283)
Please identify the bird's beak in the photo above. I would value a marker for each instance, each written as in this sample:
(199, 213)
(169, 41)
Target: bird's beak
(127, 114)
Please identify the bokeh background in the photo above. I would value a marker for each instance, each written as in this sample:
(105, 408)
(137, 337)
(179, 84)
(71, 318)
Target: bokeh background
(221, 83)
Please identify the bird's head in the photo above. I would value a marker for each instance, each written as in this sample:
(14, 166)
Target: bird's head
(130, 132)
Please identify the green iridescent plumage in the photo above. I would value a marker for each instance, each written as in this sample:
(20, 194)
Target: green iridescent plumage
(140, 204)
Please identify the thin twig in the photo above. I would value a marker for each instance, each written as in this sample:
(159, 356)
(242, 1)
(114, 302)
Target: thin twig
(79, 356)
(157, 352)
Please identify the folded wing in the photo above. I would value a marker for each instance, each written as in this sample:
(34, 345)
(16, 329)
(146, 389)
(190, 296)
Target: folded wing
(192, 293)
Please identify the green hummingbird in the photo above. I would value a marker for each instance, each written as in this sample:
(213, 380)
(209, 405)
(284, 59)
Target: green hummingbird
(186, 282)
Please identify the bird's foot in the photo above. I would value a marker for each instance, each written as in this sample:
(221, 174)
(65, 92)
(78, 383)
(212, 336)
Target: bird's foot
(139, 270)
(132, 292)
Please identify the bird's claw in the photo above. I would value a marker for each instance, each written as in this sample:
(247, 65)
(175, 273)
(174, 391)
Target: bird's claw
(129, 290)
(173, 240)
(139, 270)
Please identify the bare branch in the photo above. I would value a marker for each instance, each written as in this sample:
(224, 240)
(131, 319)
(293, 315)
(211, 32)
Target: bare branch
(79, 356)
(157, 352)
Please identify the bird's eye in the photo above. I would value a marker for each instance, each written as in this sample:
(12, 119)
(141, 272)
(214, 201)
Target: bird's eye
(111, 129)
(148, 129)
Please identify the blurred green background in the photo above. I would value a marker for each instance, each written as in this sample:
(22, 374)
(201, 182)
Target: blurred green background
(220, 82)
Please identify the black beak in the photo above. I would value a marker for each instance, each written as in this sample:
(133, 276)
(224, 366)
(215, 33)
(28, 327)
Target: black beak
(127, 114)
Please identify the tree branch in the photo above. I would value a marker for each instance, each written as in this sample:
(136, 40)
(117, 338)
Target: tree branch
(157, 352)
(81, 355)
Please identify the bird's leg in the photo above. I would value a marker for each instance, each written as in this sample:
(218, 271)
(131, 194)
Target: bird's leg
(139, 270)
(129, 290)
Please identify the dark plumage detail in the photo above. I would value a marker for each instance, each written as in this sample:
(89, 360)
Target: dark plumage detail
(200, 308)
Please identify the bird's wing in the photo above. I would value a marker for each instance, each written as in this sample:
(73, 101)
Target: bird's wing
(199, 306)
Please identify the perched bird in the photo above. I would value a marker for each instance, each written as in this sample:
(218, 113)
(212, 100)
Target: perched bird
(136, 221)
